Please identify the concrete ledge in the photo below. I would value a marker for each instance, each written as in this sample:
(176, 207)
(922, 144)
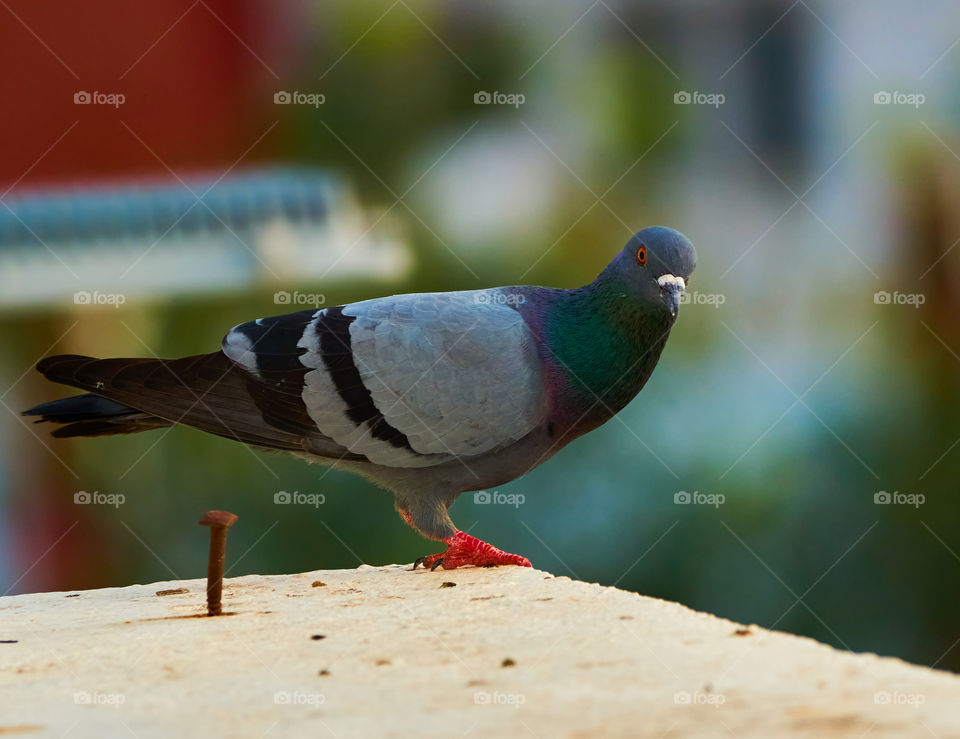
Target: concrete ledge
(388, 652)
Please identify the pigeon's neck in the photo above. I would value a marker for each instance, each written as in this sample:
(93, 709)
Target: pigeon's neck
(603, 345)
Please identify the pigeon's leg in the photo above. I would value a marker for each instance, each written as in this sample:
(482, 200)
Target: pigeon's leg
(462, 549)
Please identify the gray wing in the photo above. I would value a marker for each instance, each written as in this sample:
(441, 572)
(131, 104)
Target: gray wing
(418, 380)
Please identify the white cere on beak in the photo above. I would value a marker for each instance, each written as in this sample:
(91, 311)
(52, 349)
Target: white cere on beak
(665, 280)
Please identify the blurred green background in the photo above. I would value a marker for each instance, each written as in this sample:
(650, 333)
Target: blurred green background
(811, 383)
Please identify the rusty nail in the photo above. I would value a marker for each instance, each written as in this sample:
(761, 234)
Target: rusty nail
(219, 522)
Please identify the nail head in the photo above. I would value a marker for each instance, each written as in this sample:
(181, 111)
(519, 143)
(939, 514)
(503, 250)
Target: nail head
(218, 518)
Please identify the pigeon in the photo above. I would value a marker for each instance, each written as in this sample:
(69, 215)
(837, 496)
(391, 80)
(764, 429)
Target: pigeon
(428, 395)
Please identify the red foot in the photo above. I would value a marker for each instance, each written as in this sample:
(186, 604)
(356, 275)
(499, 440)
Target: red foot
(463, 549)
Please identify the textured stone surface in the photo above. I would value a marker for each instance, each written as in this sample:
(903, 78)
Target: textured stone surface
(389, 652)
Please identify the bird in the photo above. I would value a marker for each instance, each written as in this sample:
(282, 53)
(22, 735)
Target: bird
(428, 395)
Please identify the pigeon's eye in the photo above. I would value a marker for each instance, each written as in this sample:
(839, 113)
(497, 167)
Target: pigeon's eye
(642, 255)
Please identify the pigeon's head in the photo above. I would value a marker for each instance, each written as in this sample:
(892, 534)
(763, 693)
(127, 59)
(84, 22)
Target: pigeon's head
(656, 264)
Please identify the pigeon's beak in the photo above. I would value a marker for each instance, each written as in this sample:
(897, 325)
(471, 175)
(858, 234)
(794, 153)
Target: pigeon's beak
(672, 288)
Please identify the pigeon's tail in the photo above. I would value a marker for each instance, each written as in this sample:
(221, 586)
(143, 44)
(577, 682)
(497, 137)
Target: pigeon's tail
(93, 415)
(125, 396)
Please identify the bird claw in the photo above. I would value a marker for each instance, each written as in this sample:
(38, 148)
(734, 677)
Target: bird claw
(428, 562)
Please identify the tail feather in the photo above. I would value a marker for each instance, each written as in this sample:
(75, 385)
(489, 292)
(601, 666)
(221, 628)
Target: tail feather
(93, 415)
(79, 408)
(205, 391)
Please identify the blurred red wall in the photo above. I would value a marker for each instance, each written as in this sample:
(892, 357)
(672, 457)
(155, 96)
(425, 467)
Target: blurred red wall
(197, 76)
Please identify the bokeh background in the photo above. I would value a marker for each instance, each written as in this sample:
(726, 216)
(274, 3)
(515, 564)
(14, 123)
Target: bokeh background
(172, 169)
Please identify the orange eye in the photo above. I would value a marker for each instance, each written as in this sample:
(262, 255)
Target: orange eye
(642, 255)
